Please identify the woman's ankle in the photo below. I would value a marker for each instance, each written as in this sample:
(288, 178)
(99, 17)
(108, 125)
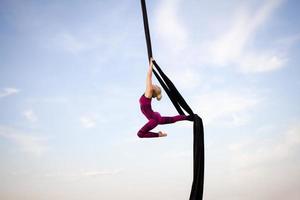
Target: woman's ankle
(190, 117)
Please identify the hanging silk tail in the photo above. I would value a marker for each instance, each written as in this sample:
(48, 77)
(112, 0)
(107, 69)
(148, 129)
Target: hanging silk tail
(198, 160)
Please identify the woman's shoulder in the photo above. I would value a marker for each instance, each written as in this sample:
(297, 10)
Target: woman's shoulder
(147, 96)
(145, 99)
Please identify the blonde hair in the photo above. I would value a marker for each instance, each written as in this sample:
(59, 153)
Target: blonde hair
(157, 93)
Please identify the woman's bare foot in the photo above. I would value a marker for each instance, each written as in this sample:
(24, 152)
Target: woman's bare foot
(161, 134)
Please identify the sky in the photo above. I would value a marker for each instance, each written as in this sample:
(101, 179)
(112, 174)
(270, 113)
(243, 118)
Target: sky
(71, 74)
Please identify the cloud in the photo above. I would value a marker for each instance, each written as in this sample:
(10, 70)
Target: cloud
(263, 165)
(28, 143)
(90, 120)
(186, 78)
(8, 92)
(100, 173)
(254, 153)
(252, 63)
(267, 163)
(50, 100)
(227, 106)
(232, 47)
(30, 116)
(83, 174)
(177, 155)
(168, 26)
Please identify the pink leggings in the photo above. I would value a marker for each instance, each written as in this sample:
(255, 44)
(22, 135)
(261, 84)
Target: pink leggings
(144, 132)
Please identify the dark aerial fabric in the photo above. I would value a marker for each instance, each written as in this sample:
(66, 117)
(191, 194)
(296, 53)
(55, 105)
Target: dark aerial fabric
(179, 103)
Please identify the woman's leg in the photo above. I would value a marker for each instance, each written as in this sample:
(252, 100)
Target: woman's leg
(144, 132)
(169, 120)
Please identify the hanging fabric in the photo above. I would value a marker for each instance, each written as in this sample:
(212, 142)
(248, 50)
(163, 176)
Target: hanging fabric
(179, 103)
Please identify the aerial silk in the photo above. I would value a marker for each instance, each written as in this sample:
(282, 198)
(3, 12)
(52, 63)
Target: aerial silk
(180, 105)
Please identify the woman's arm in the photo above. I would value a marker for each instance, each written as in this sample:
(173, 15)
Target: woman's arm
(149, 87)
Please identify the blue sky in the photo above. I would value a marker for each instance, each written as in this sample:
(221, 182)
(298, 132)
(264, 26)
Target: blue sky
(71, 74)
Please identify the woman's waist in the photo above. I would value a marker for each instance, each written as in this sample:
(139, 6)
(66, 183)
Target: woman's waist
(146, 107)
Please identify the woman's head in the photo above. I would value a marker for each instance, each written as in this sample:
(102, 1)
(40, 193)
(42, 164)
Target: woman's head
(156, 92)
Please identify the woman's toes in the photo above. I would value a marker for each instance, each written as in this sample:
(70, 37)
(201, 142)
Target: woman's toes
(161, 134)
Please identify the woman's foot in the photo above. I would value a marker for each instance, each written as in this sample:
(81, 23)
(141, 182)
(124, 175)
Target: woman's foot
(161, 134)
(190, 117)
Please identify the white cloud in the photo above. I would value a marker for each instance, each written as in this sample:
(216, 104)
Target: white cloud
(260, 152)
(30, 116)
(270, 164)
(232, 47)
(28, 143)
(50, 100)
(176, 155)
(8, 91)
(240, 119)
(90, 120)
(226, 106)
(83, 174)
(263, 62)
(100, 173)
(186, 78)
(264, 165)
(168, 26)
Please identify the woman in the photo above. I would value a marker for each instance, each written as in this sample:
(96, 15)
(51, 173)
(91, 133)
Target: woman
(154, 91)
